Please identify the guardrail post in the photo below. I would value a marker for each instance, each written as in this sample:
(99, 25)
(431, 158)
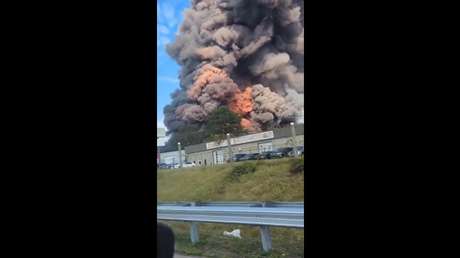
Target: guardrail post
(265, 234)
(194, 236)
(266, 238)
(194, 233)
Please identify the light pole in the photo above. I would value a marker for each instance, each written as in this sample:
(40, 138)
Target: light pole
(230, 154)
(180, 154)
(293, 140)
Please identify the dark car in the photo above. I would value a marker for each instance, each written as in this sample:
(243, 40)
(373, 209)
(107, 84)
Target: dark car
(163, 166)
(239, 157)
(278, 153)
(271, 154)
(264, 155)
(285, 151)
(250, 156)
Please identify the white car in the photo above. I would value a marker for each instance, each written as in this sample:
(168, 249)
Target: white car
(188, 165)
(185, 165)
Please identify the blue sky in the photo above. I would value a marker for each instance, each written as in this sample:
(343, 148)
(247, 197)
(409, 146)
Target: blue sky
(169, 18)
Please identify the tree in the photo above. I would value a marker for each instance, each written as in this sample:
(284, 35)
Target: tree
(187, 135)
(222, 121)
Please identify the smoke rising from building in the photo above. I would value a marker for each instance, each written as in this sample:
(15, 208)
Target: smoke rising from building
(243, 54)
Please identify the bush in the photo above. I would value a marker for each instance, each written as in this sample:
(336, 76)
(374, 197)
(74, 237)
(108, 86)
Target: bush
(297, 166)
(242, 169)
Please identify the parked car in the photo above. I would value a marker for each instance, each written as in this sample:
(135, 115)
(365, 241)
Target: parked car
(184, 165)
(285, 151)
(266, 155)
(239, 156)
(250, 156)
(300, 149)
(271, 154)
(188, 164)
(163, 166)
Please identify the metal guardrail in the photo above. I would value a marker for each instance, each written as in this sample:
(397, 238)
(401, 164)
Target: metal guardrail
(263, 214)
(236, 204)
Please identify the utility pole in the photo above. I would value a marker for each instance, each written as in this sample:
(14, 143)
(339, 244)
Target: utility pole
(180, 154)
(293, 139)
(230, 154)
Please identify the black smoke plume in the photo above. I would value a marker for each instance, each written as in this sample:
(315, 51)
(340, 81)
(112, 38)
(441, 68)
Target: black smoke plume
(243, 54)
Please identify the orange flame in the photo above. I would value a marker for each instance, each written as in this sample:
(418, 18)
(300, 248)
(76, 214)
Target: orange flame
(246, 123)
(242, 102)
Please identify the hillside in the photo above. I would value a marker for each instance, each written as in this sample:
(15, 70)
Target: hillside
(271, 181)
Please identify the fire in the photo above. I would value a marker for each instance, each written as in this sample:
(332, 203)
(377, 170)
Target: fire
(246, 123)
(207, 75)
(242, 102)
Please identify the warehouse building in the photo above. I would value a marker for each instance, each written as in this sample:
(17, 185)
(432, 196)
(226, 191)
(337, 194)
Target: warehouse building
(213, 153)
(172, 157)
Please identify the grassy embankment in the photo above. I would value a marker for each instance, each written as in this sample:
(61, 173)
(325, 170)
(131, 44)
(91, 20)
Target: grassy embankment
(271, 181)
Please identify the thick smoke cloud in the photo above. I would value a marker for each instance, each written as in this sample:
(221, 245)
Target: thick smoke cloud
(244, 54)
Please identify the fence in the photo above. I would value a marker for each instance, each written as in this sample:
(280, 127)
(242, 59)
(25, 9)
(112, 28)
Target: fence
(262, 214)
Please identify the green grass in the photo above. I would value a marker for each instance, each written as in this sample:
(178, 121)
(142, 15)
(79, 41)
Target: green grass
(271, 181)
(287, 243)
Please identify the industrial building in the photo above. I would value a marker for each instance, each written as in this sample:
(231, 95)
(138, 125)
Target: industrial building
(172, 157)
(213, 153)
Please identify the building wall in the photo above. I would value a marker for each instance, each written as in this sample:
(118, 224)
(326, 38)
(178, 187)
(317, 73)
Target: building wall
(287, 142)
(199, 157)
(172, 157)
